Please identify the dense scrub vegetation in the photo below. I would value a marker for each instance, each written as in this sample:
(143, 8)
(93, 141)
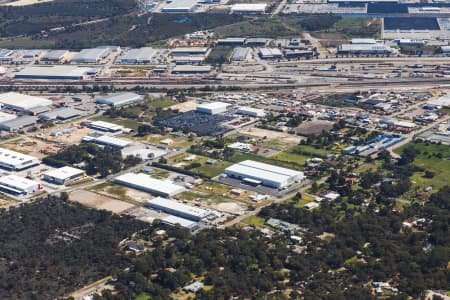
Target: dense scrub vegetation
(51, 247)
(360, 247)
(103, 161)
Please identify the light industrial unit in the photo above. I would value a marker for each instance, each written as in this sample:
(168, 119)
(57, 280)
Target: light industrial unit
(119, 99)
(240, 54)
(178, 6)
(250, 111)
(138, 56)
(22, 102)
(270, 53)
(63, 113)
(63, 175)
(15, 161)
(17, 185)
(188, 69)
(249, 8)
(178, 209)
(177, 221)
(143, 182)
(18, 123)
(185, 51)
(6, 117)
(105, 140)
(55, 55)
(92, 55)
(255, 173)
(212, 108)
(53, 72)
(105, 126)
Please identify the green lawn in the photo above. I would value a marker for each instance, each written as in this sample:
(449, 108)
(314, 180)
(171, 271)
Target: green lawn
(212, 170)
(427, 160)
(128, 123)
(143, 296)
(304, 200)
(162, 103)
(254, 221)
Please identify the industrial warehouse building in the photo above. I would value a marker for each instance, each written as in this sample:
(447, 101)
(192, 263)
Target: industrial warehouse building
(188, 60)
(53, 72)
(6, 55)
(138, 56)
(63, 113)
(93, 55)
(105, 126)
(119, 99)
(143, 182)
(17, 185)
(249, 8)
(364, 49)
(270, 53)
(212, 108)
(180, 6)
(178, 209)
(15, 161)
(250, 111)
(231, 41)
(186, 51)
(177, 221)
(4, 117)
(240, 54)
(21, 102)
(63, 175)
(256, 173)
(187, 69)
(18, 123)
(55, 56)
(105, 140)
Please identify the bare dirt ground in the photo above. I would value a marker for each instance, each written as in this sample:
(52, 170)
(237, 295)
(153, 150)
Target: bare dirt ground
(271, 135)
(230, 207)
(31, 146)
(314, 127)
(185, 106)
(70, 138)
(98, 201)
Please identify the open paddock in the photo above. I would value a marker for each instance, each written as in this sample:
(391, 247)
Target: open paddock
(98, 201)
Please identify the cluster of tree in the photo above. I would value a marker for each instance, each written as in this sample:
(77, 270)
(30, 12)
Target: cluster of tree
(364, 246)
(96, 160)
(51, 247)
(32, 19)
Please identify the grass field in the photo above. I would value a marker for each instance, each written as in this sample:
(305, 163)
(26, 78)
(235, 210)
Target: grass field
(128, 123)
(427, 159)
(254, 221)
(304, 200)
(162, 103)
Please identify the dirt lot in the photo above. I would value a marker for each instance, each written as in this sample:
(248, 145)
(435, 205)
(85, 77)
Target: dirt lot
(272, 135)
(31, 146)
(122, 192)
(69, 138)
(230, 207)
(98, 201)
(185, 106)
(314, 127)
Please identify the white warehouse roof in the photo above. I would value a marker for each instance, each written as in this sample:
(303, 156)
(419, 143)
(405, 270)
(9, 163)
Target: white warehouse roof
(64, 173)
(6, 117)
(213, 106)
(15, 159)
(18, 184)
(251, 111)
(268, 174)
(119, 98)
(249, 7)
(91, 55)
(175, 206)
(107, 141)
(106, 126)
(23, 102)
(146, 183)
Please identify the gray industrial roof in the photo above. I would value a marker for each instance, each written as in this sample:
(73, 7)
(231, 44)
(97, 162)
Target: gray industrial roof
(60, 113)
(139, 55)
(89, 55)
(118, 98)
(240, 53)
(18, 123)
(54, 54)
